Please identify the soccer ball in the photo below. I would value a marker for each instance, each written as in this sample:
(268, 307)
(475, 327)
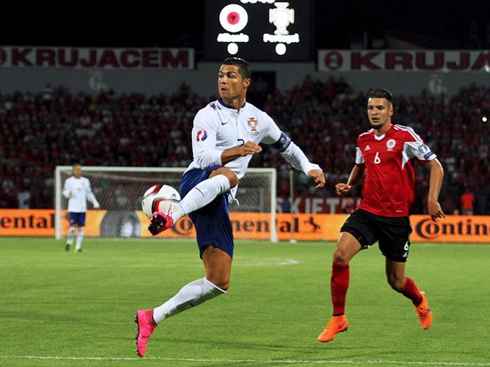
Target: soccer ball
(152, 199)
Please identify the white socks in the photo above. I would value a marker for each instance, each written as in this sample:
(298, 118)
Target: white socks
(201, 195)
(191, 295)
(79, 238)
(71, 233)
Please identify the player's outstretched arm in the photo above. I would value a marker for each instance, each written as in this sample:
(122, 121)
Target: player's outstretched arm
(435, 184)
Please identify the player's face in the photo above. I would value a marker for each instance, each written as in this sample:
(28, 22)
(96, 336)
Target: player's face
(77, 171)
(231, 85)
(379, 112)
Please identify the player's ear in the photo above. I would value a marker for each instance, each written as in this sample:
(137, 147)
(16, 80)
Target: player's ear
(391, 111)
(246, 83)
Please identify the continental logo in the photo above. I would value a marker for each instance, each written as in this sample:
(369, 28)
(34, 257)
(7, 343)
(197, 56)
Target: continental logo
(466, 227)
(27, 221)
(304, 224)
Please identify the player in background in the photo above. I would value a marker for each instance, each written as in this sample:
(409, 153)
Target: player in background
(384, 158)
(225, 136)
(77, 190)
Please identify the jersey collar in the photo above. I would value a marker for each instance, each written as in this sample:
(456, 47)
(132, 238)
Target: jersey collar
(221, 102)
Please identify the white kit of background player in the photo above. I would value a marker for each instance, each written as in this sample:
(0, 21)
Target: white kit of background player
(77, 190)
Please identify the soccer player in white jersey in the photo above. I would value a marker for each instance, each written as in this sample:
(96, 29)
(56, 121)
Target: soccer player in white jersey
(384, 159)
(77, 190)
(225, 136)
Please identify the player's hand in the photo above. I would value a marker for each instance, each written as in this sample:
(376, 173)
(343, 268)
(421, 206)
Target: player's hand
(435, 210)
(342, 189)
(318, 177)
(250, 148)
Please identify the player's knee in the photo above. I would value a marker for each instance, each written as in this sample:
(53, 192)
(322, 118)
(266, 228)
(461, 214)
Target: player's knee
(223, 284)
(228, 173)
(340, 256)
(232, 177)
(396, 283)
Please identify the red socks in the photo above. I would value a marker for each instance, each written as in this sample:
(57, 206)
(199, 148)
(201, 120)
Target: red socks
(411, 291)
(339, 283)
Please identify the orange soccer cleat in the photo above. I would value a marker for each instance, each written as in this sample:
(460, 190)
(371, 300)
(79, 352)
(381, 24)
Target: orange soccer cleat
(425, 314)
(337, 324)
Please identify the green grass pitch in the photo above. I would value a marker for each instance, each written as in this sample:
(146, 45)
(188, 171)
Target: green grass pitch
(62, 308)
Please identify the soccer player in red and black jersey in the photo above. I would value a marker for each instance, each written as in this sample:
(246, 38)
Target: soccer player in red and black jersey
(384, 159)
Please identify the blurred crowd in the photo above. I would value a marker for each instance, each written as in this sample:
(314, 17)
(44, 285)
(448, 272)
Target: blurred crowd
(58, 127)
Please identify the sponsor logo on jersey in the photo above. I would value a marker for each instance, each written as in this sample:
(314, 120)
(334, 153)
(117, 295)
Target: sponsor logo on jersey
(390, 144)
(253, 123)
(201, 135)
(367, 148)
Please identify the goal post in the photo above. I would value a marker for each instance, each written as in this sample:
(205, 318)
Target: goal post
(120, 190)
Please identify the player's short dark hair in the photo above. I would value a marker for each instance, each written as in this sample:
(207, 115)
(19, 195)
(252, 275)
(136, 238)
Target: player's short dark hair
(243, 66)
(381, 93)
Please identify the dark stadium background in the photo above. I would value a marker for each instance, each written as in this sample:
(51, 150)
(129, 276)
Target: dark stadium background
(336, 24)
(439, 23)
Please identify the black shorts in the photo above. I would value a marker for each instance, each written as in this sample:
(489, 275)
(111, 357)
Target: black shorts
(392, 233)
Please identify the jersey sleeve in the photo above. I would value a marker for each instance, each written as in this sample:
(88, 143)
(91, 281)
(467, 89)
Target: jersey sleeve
(91, 196)
(273, 133)
(67, 189)
(290, 151)
(359, 156)
(420, 151)
(416, 148)
(204, 140)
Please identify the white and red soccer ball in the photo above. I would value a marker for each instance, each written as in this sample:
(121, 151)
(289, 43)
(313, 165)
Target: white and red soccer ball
(159, 198)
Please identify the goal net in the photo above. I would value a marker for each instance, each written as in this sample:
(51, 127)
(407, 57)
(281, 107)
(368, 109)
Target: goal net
(119, 190)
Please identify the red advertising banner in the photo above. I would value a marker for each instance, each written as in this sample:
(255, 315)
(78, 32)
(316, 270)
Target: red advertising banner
(404, 60)
(95, 58)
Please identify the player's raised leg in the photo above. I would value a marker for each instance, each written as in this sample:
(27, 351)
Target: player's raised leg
(219, 182)
(347, 247)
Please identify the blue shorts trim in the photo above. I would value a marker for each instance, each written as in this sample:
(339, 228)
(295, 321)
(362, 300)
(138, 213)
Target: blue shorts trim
(212, 223)
(76, 218)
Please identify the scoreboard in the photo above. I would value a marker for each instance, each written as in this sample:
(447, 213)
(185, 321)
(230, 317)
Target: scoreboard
(258, 30)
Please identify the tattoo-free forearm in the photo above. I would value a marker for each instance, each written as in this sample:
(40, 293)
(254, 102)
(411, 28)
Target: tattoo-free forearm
(356, 175)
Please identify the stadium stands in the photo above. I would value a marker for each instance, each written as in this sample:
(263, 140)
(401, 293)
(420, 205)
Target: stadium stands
(58, 127)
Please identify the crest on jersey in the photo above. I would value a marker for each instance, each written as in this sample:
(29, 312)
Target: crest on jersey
(201, 135)
(390, 144)
(253, 123)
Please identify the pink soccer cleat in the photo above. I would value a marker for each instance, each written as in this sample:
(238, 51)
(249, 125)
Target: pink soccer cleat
(146, 327)
(160, 222)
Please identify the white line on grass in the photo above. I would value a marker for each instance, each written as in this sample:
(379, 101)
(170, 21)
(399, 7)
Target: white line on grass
(252, 361)
(242, 261)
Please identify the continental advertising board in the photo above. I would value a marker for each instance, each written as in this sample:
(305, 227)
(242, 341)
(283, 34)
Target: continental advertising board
(303, 227)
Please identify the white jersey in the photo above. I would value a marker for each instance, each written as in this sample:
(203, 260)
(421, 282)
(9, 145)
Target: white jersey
(218, 127)
(78, 191)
